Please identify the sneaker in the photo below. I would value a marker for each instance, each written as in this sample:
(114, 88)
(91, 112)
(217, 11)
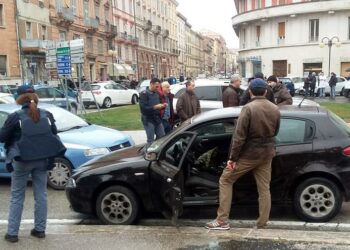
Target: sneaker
(217, 225)
(11, 238)
(38, 234)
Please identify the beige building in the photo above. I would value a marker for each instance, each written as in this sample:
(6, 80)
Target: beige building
(208, 49)
(194, 52)
(9, 56)
(156, 29)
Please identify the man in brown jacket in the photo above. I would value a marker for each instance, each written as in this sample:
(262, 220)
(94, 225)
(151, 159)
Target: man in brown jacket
(252, 149)
(280, 91)
(230, 97)
(188, 104)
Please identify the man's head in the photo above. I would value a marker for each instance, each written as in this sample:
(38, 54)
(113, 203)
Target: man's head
(313, 73)
(257, 87)
(321, 73)
(236, 81)
(166, 88)
(259, 75)
(154, 84)
(190, 86)
(272, 81)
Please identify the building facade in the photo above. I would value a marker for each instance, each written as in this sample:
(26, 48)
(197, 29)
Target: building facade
(156, 29)
(10, 68)
(290, 37)
(181, 41)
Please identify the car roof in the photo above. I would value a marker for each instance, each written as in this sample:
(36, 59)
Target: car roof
(12, 107)
(286, 110)
(200, 83)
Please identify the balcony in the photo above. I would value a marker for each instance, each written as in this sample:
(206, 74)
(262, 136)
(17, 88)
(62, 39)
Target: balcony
(147, 25)
(65, 17)
(123, 35)
(111, 30)
(34, 45)
(156, 29)
(165, 33)
(91, 24)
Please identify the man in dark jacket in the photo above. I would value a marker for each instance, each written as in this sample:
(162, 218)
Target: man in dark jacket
(312, 84)
(280, 91)
(188, 104)
(150, 106)
(245, 98)
(252, 149)
(332, 83)
(230, 97)
(167, 114)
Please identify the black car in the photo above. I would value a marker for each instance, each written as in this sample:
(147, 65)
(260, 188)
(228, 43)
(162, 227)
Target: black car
(311, 170)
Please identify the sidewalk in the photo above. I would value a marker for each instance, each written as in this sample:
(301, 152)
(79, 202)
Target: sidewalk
(165, 237)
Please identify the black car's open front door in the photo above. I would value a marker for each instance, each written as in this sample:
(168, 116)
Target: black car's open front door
(167, 175)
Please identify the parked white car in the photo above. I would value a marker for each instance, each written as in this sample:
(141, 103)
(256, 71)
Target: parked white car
(209, 93)
(107, 94)
(339, 88)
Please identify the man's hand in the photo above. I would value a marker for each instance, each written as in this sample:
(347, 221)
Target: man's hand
(159, 106)
(231, 165)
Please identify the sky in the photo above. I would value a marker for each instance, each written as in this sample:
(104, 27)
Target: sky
(214, 15)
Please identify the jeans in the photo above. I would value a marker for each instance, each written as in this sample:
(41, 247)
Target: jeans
(19, 178)
(262, 174)
(153, 129)
(167, 126)
(322, 93)
(332, 95)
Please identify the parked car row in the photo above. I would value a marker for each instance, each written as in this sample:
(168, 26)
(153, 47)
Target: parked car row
(340, 88)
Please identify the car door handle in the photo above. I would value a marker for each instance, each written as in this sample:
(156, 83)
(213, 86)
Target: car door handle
(205, 140)
(168, 180)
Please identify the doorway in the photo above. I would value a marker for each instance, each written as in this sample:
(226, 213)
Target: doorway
(279, 68)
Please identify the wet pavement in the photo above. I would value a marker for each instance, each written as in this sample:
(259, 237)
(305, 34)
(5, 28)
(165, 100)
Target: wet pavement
(181, 238)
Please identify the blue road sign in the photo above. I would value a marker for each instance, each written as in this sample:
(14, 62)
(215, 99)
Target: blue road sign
(64, 66)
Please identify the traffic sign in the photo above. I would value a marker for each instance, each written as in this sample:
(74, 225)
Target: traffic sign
(63, 44)
(64, 66)
(63, 51)
(76, 43)
(77, 58)
(50, 65)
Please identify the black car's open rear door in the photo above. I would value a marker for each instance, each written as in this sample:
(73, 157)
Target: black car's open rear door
(167, 175)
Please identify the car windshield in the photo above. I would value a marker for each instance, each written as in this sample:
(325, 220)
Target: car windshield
(155, 146)
(88, 87)
(340, 123)
(65, 120)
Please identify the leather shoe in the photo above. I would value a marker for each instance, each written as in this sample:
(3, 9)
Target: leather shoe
(11, 238)
(38, 234)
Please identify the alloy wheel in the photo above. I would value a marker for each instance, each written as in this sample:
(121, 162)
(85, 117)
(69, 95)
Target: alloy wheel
(116, 207)
(107, 103)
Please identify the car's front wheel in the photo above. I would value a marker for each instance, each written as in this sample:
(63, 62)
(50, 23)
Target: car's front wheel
(117, 205)
(134, 99)
(317, 200)
(342, 92)
(107, 102)
(57, 177)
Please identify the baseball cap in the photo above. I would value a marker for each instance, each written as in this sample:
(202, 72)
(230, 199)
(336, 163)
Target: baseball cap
(258, 84)
(23, 89)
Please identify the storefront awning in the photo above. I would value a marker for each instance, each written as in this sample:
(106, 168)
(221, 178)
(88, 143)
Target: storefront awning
(128, 69)
(116, 70)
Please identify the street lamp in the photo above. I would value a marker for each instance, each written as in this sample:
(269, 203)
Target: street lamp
(330, 41)
(113, 54)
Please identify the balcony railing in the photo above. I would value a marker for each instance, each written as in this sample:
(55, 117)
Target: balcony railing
(67, 14)
(91, 23)
(147, 25)
(34, 44)
(156, 29)
(165, 33)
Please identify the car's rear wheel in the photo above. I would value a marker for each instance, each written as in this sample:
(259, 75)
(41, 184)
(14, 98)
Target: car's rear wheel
(302, 92)
(117, 205)
(317, 200)
(342, 92)
(86, 106)
(57, 177)
(346, 93)
(134, 99)
(107, 102)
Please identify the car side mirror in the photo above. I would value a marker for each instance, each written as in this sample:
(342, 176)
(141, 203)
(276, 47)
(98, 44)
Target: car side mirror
(151, 156)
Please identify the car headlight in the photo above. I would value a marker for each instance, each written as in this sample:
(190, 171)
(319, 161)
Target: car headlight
(95, 151)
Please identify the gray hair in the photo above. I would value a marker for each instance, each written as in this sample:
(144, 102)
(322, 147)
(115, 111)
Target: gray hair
(235, 78)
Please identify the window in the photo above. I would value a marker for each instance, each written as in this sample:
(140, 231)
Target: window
(100, 47)
(2, 16)
(281, 2)
(97, 10)
(76, 36)
(86, 9)
(3, 65)
(28, 30)
(243, 38)
(123, 5)
(217, 128)
(281, 30)
(43, 32)
(258, 31)
(291, 132)
(89, 44)
(62, 35)
(207, 93)
(257, 4)
(59, 6)
(73, 5)
(349, 28)
(314, 30)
